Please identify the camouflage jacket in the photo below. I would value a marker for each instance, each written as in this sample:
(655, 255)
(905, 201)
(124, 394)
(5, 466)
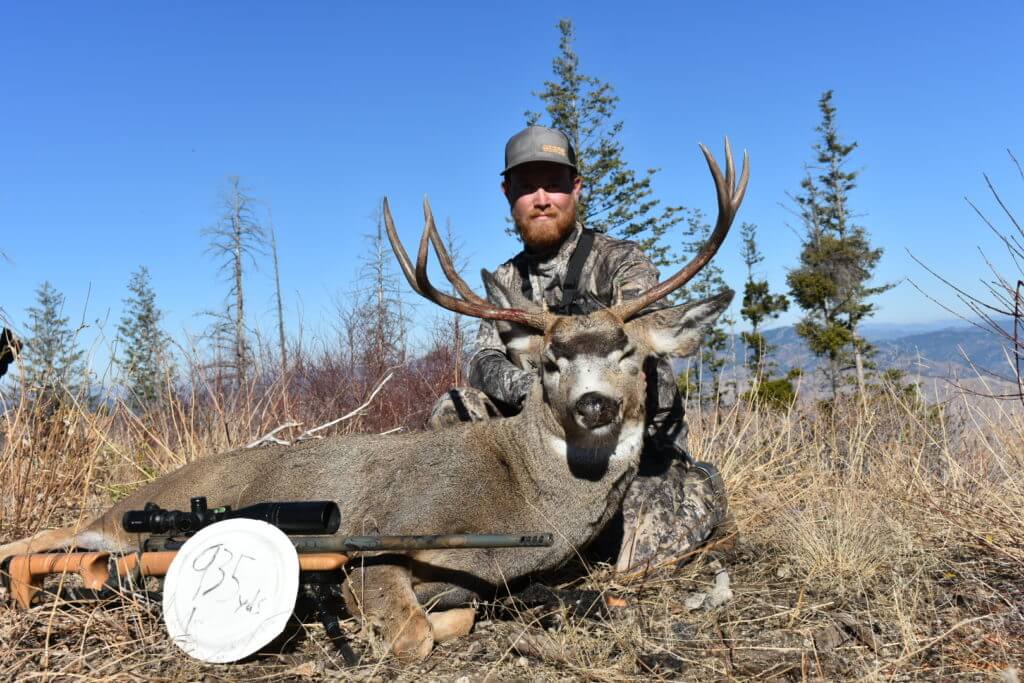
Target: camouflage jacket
(613, 269)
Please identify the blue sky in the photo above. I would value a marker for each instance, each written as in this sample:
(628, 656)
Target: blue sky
(119, 123)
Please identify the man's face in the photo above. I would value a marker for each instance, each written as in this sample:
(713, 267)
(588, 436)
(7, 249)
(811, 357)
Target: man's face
(543, 199)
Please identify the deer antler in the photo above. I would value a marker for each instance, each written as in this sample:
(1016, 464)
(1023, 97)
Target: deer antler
(470, 304)
(730, 195)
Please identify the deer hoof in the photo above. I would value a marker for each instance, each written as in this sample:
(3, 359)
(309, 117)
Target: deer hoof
(415, 640)
(452, 624)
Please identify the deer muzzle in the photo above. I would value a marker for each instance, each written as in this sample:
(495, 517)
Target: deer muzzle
(595, 410)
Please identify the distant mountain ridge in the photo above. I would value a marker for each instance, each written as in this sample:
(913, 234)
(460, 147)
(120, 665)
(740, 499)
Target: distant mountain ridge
(928, 349)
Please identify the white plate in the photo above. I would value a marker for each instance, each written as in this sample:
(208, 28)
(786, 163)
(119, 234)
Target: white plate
(230, 589)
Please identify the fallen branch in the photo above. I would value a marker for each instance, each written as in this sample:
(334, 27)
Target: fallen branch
(311, 433)
(269, 436)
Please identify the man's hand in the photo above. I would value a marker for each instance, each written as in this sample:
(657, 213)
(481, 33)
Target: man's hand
(521, 385)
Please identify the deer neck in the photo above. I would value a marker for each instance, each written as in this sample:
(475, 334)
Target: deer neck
(588, 479)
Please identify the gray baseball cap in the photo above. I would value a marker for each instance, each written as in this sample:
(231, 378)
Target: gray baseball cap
(537, 143)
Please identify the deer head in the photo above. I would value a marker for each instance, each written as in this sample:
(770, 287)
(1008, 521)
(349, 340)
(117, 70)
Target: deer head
(590, 366)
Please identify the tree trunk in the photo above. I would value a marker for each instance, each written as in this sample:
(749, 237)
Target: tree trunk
(239, 298)
(457, 373)
(280, 314)
(860, 376)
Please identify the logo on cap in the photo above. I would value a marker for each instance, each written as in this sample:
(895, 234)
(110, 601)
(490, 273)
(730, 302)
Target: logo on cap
(555, 149)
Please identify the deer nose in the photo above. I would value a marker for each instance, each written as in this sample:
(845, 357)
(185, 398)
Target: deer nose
(596, 410)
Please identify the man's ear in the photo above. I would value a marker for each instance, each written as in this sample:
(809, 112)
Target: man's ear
(577, 187)
(505, 189)
(677, 331)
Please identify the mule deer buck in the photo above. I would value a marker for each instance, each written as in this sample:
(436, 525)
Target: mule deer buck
(562, 465)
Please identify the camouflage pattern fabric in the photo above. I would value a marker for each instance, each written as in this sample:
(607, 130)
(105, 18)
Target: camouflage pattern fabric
(665, 516)
(671, 507)
(463, 404)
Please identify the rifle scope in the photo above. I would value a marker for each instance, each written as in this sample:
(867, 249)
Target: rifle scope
(303, 517)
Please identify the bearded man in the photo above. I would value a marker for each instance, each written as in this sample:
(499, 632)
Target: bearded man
(675, 503)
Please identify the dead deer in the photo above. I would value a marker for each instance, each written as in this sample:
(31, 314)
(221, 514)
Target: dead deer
(562, 465)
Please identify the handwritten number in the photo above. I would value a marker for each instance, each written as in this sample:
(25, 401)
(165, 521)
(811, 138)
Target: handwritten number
(202, 570)
(234, 574)
(223, 574)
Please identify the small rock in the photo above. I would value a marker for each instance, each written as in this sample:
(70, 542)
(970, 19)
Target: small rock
(717, 596)
(694, 601)
(721, 593)
(523, 661)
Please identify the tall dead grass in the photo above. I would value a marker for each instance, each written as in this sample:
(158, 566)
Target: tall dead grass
(873, 544)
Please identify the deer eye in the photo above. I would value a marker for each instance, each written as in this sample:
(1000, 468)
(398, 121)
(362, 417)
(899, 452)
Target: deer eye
(550, 362)
(628, 353)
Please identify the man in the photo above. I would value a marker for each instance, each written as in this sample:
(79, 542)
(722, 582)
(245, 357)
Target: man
(675, 503)
(9, 347)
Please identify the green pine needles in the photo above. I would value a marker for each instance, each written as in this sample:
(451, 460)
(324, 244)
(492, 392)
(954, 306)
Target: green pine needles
(53, 362)
(831, 284)
(615, 199)
(142, 347)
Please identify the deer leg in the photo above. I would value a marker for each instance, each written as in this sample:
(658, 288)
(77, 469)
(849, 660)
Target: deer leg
(451, 624)
(383, 594)
(52, 539)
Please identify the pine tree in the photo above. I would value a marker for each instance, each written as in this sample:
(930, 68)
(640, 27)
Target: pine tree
(614, 199)
(759, 305)
(836, 259)
(142, 346)
(54, 367)
(236, 237)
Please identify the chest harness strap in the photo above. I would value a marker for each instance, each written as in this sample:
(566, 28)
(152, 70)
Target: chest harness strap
(571, 280)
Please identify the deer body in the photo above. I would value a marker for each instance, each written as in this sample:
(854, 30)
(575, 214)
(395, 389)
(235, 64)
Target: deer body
(508, 476)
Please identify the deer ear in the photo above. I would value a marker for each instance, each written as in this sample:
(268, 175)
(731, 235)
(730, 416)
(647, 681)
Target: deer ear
(522, 341)
(677, 331)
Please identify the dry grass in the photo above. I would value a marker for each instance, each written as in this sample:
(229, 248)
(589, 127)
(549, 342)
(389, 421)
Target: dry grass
(881, 544)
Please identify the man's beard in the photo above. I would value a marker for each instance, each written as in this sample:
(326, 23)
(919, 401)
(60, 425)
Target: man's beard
(542, 236)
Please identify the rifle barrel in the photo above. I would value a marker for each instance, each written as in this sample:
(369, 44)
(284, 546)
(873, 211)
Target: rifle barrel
(348, 544)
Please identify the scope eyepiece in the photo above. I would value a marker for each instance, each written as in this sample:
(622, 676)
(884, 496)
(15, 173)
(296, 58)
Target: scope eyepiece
(158, 521)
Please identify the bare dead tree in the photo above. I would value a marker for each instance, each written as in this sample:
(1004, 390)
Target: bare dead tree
(458, 333)
(236, 237)
(1004, 300)
(280, 307)
(385, 322)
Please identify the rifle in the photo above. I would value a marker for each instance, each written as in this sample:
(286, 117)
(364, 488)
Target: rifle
(310, 526)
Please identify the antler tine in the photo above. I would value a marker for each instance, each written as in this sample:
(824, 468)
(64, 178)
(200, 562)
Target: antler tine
(730, 167)
(450, 272)
(419, 281)
(730, 195)
(399, 250)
